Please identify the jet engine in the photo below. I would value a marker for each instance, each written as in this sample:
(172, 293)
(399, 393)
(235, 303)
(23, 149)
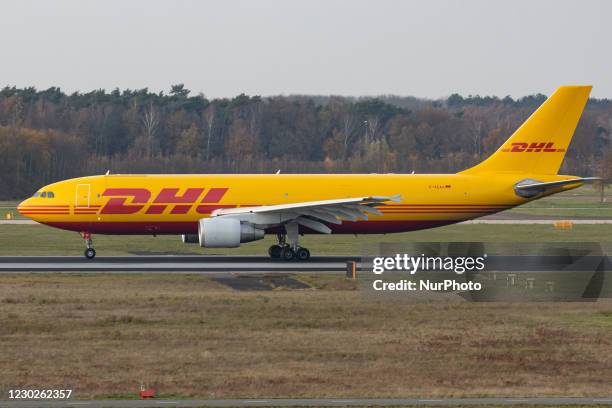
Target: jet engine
(222, 232)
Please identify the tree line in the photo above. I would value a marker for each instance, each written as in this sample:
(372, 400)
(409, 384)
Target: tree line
(48, 135)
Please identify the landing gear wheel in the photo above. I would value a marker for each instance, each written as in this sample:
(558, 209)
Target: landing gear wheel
(275, 251)
(90, 253)
(287, 254)
(303, 254)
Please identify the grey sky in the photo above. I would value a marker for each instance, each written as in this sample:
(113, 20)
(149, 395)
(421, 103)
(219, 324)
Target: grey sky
(423, 48)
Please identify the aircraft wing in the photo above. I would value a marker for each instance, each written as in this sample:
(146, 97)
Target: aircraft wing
(529, 188)
(311, 214)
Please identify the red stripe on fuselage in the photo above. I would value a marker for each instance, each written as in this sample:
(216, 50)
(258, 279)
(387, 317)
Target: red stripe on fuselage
(43, 207)
(191, 227)
(447, 205)
(439, 211)
(43, 212)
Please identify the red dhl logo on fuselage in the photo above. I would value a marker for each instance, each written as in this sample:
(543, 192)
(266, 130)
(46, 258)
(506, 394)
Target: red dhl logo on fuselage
(133, 200)
(535, 147)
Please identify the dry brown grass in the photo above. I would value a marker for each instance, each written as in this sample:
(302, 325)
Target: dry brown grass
(189, 336)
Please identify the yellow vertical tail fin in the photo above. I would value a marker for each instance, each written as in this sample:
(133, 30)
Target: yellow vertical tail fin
(538, 146)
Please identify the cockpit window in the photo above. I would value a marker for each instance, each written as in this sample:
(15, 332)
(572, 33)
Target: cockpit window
(44, 194)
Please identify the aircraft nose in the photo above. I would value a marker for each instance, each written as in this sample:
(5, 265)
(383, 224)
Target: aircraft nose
(22, 205)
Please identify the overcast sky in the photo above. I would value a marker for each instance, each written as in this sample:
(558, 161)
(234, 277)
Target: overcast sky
(423, 48)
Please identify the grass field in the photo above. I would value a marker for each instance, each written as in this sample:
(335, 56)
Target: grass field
(42, 240)
(189, 336)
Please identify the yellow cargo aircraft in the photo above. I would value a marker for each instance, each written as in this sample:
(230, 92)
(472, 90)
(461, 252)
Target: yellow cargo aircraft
(226, 210)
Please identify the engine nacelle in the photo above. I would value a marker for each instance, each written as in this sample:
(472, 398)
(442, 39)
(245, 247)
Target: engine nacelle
(190, 239)
(221, 232)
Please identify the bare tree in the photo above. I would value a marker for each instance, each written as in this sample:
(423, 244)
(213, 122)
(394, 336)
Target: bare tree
(255, 117)
(372, 127)
(209, 120)
(16, 118)
(150, 122)
(477, 136)
(347, 131)
(606, 165)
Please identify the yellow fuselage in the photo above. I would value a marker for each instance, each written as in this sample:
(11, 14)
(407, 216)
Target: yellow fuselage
(173, 204)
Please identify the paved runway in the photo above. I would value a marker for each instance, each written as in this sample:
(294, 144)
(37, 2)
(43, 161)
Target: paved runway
(301, 402)
(166, 263)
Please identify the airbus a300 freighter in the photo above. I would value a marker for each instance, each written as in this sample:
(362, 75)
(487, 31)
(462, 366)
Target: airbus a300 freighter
(224, 211)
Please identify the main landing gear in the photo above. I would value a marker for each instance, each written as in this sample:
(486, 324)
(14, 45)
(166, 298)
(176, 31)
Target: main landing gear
(287, 248)
(90, 253)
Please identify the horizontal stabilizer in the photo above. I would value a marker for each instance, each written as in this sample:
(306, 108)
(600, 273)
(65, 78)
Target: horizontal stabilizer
(530, 188)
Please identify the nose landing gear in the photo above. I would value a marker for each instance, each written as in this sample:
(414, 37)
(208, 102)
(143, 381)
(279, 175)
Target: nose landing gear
(90, 253)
